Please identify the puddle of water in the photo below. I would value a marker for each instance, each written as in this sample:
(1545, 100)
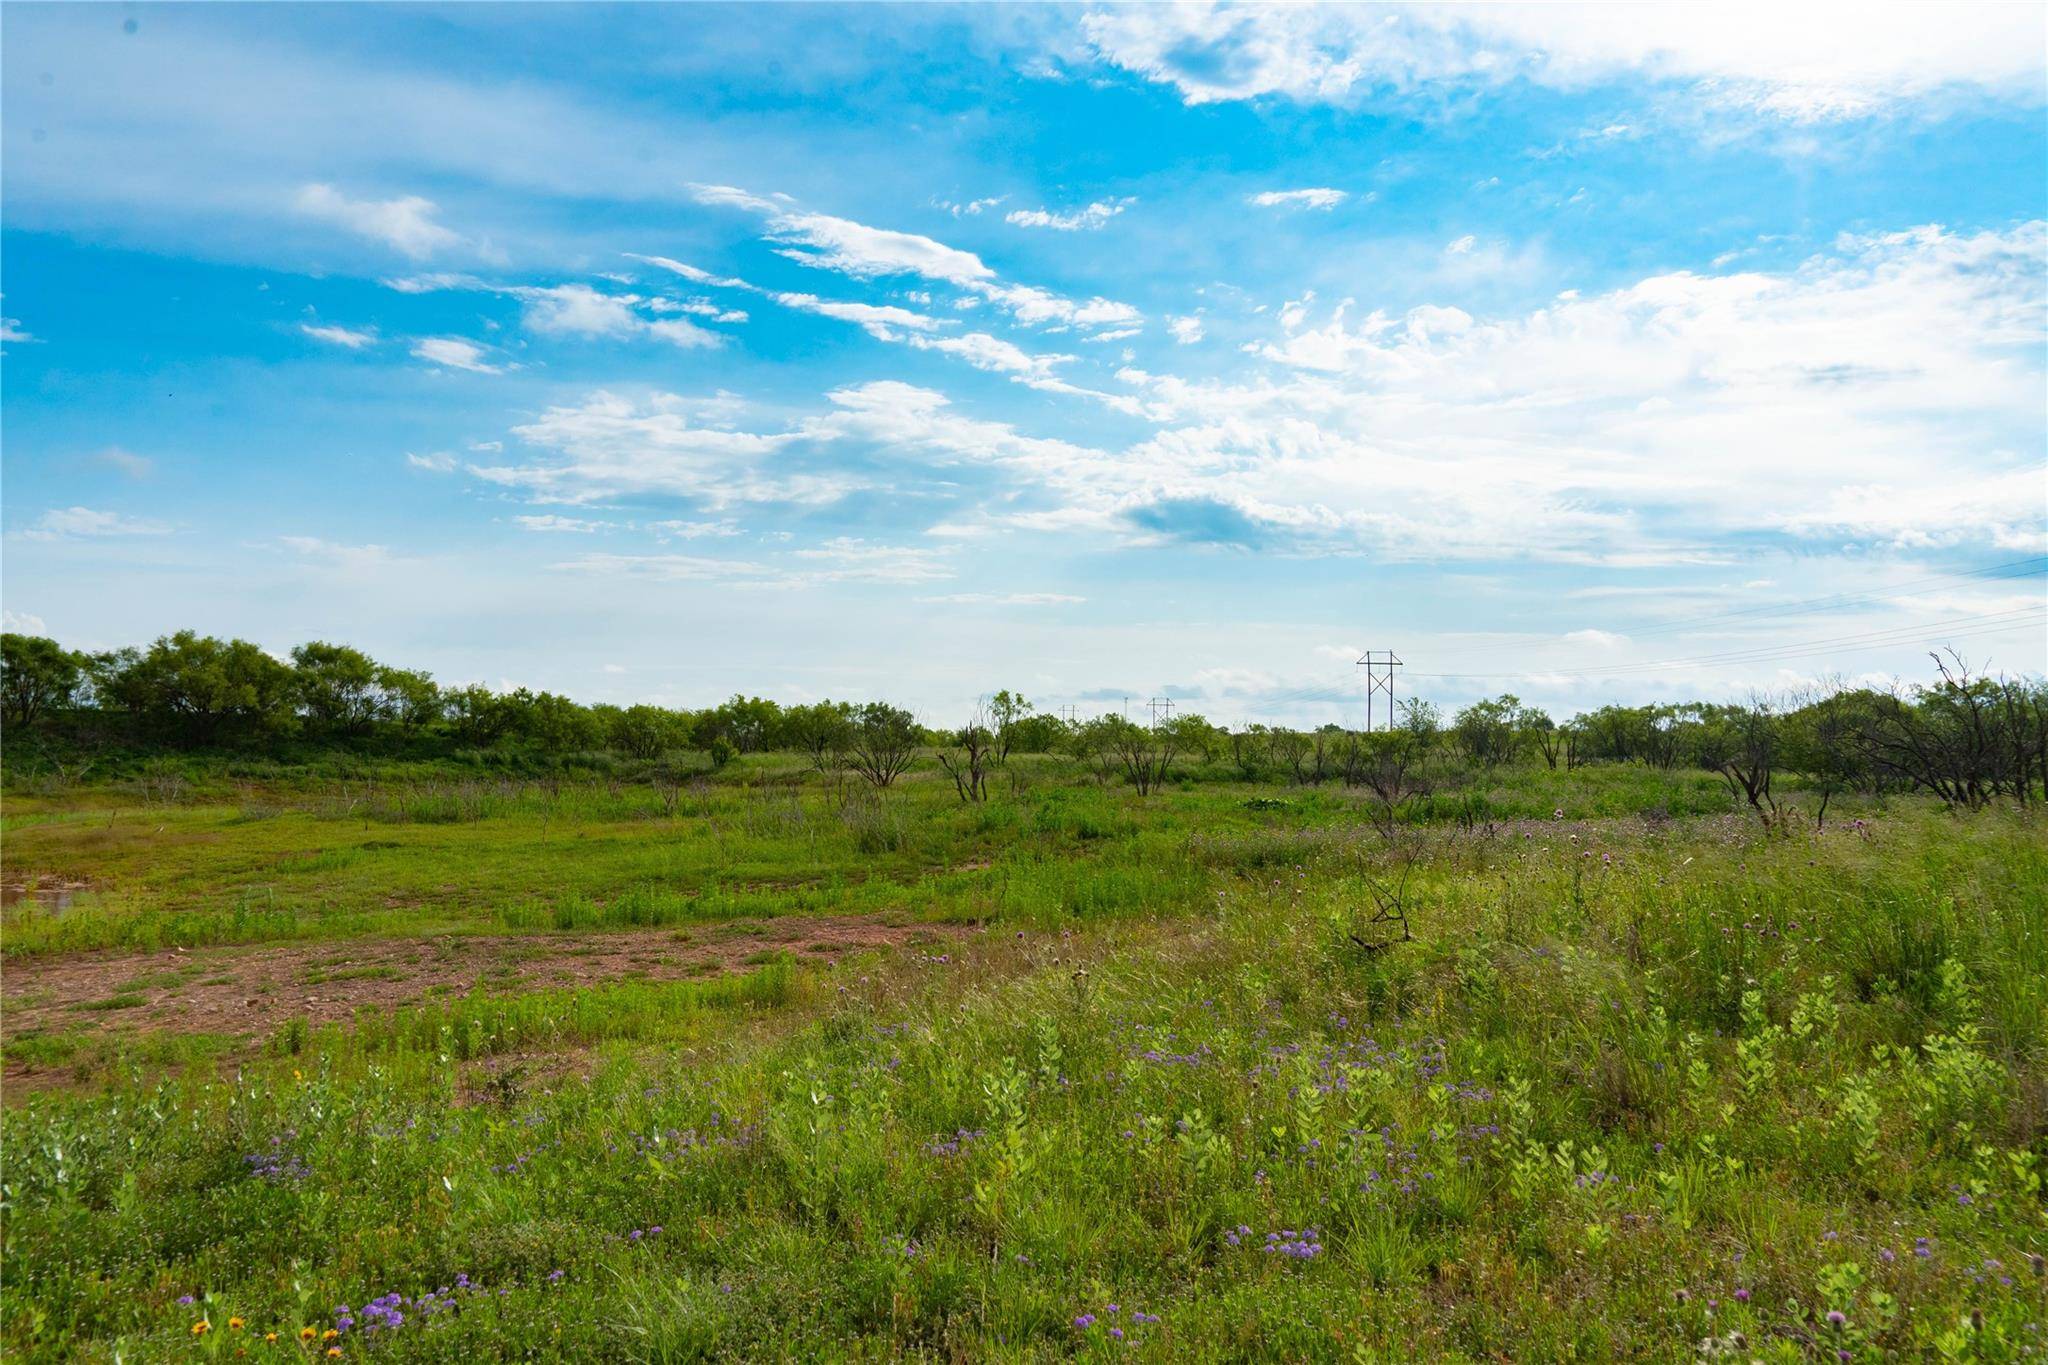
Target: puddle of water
(54, 898)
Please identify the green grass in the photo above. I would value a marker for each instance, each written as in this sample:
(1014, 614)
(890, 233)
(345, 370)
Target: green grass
(1642, 1078)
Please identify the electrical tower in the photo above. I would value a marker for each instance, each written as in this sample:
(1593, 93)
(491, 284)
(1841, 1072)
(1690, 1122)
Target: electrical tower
(1161, 708)
(1067, 713)
(1379, 666)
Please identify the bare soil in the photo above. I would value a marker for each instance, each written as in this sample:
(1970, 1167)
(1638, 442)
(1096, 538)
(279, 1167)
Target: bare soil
(253, 991)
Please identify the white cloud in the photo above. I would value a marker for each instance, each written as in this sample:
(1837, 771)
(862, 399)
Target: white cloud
(79, 523)
(819, 239)
(1006, 599)
(23, 623)
(406, 224)
(876, 319)
(1300, 199)
(10, 331)
(456, 354)
(347, 337)
(436, 462)
(1187, 331)
(864, 252)
(580, 311)
(841, 560)
(1802, 63)
(1462, 246)
(555, 524)
(1090, 218)
(692, 530)
(355, 558)
(689, 272)
(1886, 393)
(662, 568)
(125, 462)
(852, 560)
(610, 445)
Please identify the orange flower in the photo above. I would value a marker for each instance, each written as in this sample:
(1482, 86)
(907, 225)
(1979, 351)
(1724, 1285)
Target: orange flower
(307, 1334)
(270, 1336)
(201, 1328)
(234, 1324)
(333, 1352)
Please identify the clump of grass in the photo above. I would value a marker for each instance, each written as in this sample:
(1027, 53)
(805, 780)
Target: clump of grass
(125, 1000)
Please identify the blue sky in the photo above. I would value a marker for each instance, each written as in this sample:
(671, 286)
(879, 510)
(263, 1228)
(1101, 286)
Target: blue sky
(658, 353)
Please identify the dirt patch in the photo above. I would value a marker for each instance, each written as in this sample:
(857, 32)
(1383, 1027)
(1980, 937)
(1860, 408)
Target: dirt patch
(244, 992)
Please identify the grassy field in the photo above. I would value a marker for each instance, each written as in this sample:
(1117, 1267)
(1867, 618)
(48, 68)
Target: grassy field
(1573, 1065)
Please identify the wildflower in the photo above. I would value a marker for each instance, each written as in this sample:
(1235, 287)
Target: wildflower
(329, 1335)
(186, 1300)
(334, 1353)
(201, 1328)
(1742, 1296)
(270, 1336)
(235, 1324)
(1837, 1318)
(1085, 1321)
(307, 1334)
(1117, 1332)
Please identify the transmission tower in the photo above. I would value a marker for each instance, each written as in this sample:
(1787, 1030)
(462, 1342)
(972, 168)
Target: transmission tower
(1067, 713)
(1379, 666)
(1161, 708)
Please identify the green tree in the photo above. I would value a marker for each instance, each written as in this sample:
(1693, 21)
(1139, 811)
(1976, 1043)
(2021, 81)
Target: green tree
(197, 689)
(1006, 712)
(818, 730)
(642, 731)
(411, 697)
(37, 675)
(337, 688)
(1490, 733)
(880, 741)
(481, 717)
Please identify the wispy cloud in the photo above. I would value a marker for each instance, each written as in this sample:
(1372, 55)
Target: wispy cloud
(863, 252)
(456, 354)
(1093, 216)
(124, 462)
(1300, 199)
(405, 224)
(87, 523)
(559, 525)
(1807, 66)
(348, 338)
(1005, 599)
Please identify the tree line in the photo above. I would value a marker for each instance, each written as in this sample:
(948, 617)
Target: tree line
(1965, 738)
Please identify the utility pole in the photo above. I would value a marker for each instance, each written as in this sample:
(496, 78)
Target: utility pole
(1379, 666)
(1161, 708)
